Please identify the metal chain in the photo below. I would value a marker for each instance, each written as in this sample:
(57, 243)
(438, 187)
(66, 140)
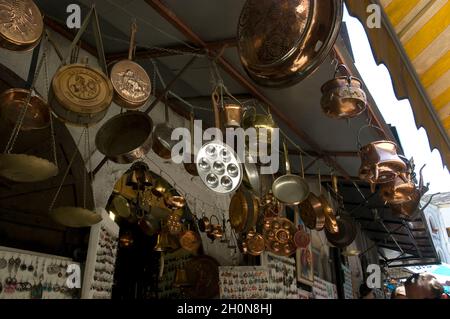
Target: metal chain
(46, 82)
(66, 172)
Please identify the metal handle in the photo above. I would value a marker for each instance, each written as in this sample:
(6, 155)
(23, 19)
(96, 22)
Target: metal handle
(301, 165)
(215, 102)
(362, 128)
(286, 158)
(132, 48)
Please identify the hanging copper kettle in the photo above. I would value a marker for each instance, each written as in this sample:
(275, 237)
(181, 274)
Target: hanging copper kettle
(343, 96)
(380, 162)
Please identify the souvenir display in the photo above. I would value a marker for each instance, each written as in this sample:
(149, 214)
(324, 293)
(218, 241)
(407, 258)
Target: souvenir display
(348, 284)
(244, 282)
(323, 289)
(28, 275)
(101, 260)
(282, 278)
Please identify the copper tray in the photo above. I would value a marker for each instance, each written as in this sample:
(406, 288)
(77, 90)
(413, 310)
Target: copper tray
(12, 103)
(203, 274)
(190, 241)
(281, 42)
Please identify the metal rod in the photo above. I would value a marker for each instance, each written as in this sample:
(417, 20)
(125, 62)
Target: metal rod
(170, 84)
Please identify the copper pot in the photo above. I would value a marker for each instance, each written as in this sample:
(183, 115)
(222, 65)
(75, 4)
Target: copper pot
(281, 42)
(216, 229)
(174, 202)
(343, 96)
(311, 212)
(80, 94)
(232, 114)
(204, 224)
(121, 144)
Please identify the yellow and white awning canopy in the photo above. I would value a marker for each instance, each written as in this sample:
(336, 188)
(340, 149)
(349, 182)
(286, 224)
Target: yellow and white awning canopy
(414, 44)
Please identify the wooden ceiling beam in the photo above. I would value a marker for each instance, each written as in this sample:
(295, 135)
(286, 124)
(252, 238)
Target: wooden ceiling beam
(175, 21)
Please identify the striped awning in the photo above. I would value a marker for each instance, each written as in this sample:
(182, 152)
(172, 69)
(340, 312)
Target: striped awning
(414, 44)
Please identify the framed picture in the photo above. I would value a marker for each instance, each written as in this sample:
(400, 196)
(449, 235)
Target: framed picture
(304, 259)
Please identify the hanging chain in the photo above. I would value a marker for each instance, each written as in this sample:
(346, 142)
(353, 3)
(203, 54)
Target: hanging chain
(52, 127)
(66, 172)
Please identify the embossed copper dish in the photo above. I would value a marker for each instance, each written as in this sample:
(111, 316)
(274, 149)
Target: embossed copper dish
(21, 25)
(13, 101)
(130, 81)
(80, 95)
(281, 42)
(278, 235)
(190, 241)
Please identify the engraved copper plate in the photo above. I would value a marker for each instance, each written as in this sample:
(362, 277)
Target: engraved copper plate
(278, 235)
(256, 245)
(82, 89)
(20, 22)
(190, 241)
(131, 82)
(270, 31)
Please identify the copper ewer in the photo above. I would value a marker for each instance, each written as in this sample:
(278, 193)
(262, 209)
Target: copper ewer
(343, 96)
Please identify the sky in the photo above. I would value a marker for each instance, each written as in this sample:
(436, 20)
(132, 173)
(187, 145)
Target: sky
(395, 112)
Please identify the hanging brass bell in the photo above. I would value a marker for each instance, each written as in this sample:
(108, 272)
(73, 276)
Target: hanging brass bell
(181, 279)
(163, 243)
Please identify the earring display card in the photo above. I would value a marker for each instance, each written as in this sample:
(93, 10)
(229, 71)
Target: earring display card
(30, 275)
(101, 259)
(323, 289)
(243, 282)
(282, 279)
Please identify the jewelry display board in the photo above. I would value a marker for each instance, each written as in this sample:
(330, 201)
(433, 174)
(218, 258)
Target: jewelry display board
(29, 275)
(244, 282)
(282, 279)
(101, 259)
(323, 289)
(172, 262)
(348, 285)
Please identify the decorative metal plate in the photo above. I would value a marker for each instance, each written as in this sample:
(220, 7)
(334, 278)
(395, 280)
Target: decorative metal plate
(278, 234)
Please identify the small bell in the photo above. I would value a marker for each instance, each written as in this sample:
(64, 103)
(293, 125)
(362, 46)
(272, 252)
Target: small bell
(162, 243)
(181, 279)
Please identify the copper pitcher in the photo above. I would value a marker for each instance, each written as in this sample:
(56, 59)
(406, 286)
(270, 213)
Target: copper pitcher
(343, 96)
(232, 115)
